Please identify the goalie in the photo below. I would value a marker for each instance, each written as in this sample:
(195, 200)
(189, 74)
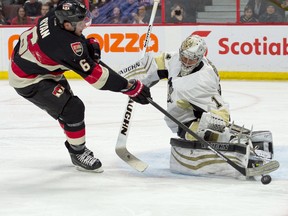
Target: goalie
(194, 98)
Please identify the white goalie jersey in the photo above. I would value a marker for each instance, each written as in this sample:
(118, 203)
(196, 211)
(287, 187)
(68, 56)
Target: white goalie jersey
(187, 95)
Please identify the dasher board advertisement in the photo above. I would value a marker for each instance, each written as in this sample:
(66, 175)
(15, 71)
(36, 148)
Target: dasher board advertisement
(232, 48)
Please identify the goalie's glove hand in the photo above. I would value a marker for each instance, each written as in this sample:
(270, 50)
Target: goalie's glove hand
(94, 49)
(137, 91)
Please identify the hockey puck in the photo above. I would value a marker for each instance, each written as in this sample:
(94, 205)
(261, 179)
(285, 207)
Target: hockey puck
(266, 179)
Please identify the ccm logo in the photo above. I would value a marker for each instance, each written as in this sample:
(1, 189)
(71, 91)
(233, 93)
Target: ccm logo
(125, 42)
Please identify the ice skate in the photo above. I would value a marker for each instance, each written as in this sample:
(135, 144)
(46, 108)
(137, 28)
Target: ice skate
(84, 160)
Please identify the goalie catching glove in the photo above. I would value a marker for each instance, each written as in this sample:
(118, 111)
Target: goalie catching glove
(137, 91)
(210, 126)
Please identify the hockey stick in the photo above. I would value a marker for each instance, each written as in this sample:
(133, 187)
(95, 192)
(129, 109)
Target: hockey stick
(121, 144)
(121, 149)
(256, 171)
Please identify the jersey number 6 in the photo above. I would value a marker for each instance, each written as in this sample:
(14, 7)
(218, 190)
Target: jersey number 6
(27, 39)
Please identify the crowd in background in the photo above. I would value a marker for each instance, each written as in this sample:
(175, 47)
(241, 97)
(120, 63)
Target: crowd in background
(121, 11)
(265, 11)
(26, 12)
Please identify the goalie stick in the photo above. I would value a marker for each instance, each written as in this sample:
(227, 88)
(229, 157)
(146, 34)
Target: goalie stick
(121, 144)
(255, 171)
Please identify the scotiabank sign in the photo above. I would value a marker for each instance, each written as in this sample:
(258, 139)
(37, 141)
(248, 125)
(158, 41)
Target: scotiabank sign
(231, 48)
(258, 46)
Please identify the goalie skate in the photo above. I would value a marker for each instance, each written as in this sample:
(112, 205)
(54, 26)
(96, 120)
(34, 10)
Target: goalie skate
(259, 152)
(260, 160)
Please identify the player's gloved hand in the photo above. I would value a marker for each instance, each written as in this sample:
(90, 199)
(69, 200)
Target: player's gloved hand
(138, 91)
(94, 49)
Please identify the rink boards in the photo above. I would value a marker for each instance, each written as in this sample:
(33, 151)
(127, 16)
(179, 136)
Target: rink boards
(239, 52)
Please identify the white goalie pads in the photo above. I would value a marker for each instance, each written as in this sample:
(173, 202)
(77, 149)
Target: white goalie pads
(193, 158)
(246, 150)
(145, 70)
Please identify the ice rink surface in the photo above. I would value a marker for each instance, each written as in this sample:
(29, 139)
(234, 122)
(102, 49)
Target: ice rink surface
(38, 179)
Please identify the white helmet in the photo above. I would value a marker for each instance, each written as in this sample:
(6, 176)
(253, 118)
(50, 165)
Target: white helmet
(191, 52)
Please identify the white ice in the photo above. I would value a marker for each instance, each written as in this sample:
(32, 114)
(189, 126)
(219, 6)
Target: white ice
(38, 179)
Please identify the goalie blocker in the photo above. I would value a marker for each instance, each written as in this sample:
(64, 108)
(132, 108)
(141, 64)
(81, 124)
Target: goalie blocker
(193, 158)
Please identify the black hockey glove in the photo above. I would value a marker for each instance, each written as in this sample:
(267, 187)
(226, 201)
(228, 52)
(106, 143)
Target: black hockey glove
(138, 92)
(94, 49)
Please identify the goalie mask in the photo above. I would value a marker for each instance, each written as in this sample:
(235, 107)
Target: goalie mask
(72, 11)
(191, 53)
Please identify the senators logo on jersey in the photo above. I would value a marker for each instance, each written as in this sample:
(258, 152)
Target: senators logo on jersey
(58, 90)
(77, 48)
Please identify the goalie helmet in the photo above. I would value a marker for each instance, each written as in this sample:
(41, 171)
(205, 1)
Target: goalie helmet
(191, 52)
(72, 11)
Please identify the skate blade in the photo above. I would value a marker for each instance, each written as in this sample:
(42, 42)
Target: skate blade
(99, 170)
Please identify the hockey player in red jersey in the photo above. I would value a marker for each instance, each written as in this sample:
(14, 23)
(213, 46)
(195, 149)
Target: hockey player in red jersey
(44, 52)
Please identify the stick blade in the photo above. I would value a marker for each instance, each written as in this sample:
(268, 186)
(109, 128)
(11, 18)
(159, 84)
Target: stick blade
(130, 159)
(264, 169)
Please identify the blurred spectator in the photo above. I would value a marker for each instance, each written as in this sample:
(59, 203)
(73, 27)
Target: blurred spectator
(147, 2)
(94, 14)
(33, 8)
(97, 16)
(21, 18)
(100, 3)
(248, 16)
(279, 7)
(177, 15)
(271, 15)
(3, 20)
(141, 16)
(44, 10)
(284, 4)
(191, 7)
(128, 8)
(258, 7)
(116, 16)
